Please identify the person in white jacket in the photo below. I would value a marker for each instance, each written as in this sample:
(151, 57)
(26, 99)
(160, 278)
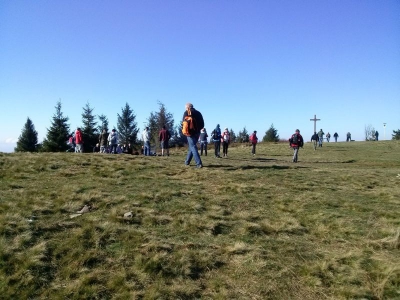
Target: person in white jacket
(113, 141)
(146, 141)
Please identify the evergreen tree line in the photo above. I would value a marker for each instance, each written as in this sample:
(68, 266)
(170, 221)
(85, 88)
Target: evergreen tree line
(128, 131)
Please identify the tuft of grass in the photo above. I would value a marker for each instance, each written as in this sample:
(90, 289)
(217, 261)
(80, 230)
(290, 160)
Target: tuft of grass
(243, 227)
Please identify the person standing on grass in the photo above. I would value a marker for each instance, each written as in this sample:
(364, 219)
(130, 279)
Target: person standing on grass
(71, 143)
(164, 137)
(253, 139)
(320, 137)
(146, 141)
(192, 139)
(216, 138)
(314, 139)
(113, 141)
(103, 141)
(376, 135)
(203, 141)
(348, 137)
(225, 139)
(78, 141)
(328, 137)
(295, 142)
(335, 135)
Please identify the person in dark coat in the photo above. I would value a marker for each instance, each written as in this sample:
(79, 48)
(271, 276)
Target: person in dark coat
(296, 141)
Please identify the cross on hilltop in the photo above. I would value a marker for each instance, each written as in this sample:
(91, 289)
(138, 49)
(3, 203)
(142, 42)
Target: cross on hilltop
(315, 122)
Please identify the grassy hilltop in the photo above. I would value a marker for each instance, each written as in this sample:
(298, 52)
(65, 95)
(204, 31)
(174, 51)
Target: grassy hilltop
(243, 227)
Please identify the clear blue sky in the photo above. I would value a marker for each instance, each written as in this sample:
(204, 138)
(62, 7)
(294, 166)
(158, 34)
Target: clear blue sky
(241, 63)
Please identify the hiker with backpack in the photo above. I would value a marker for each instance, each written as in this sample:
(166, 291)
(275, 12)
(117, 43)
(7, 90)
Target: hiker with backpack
(203, 141)
(335, 136)
(253, 139)
(320, 137)
(315, 139)
(192, 123)
(225, 139)
(216, 139)
(328, 137)
(295, 142)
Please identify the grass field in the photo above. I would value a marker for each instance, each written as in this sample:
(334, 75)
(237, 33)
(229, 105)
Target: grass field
(242, 227)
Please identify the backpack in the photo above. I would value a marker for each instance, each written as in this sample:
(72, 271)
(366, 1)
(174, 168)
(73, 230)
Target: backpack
(188, 124)
(215, 135)
(253, 138)
(295, 139)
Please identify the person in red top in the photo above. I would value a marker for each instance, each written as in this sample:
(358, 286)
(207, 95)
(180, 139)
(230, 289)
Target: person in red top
(78, 140)
(296, 141)
(253, 140)
(164, 137)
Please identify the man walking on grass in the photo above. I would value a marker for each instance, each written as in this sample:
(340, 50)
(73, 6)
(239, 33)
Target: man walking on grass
(296, 141)
(315, 140)
(194, 134)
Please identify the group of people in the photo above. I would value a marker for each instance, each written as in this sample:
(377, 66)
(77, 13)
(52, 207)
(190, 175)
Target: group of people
(318, 138)
(218, 137)
(75, 142)
(107, 143)
(163, 136)
(199, 135)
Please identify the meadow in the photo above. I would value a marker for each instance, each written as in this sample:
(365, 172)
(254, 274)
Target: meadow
(242, 227)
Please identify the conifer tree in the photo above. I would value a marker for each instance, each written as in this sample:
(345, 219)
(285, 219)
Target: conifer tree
(271, 135)
(178, 138)
(396, 135)
(103, 123)
(28, 140)
(90, 134)
(57, 134)
(232, 136)
(157, 120)
(243, 136)
(126, 126)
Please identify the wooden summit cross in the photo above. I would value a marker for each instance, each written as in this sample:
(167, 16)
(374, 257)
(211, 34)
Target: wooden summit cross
(315, 122)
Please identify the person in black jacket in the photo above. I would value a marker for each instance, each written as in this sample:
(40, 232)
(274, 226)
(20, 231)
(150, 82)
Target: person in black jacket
(315, 139)
(296, 141)
(194, 135)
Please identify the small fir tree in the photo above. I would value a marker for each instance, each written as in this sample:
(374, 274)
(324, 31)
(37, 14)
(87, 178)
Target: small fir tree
(396, 135)
(243, 136)
(157, 120)
(28, 140)
(232, 136)
(103, 123)
(126, 126)
(271, 135)
(90, 134)
(58, 133)
(178, 138)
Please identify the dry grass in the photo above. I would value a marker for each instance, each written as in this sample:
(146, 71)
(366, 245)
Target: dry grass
(243, 227)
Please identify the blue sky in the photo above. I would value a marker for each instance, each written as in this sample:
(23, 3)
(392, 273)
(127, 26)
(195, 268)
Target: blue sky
(241, 63)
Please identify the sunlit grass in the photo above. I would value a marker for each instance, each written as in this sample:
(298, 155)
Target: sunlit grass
(243, 227)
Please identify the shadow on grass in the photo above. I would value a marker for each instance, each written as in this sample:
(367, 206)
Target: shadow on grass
(255, 159)
(249, 167)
